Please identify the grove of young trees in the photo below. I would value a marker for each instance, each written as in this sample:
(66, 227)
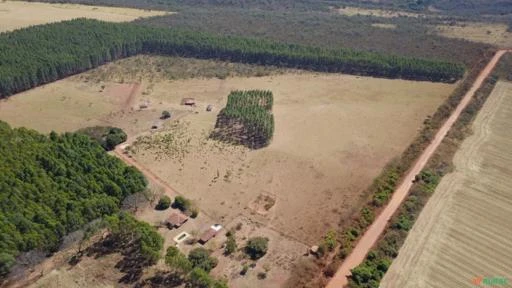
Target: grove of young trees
(41, 54)
(53, 185)
(246, 119)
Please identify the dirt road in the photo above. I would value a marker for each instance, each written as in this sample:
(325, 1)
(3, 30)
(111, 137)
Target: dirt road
(371, 236)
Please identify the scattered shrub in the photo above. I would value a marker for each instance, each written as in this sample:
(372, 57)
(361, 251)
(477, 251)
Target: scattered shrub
(330, 240)
(230, 244)
(165, 115)
(244, 270)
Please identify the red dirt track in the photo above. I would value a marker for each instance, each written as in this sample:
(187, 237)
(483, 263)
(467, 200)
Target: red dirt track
(373, 233)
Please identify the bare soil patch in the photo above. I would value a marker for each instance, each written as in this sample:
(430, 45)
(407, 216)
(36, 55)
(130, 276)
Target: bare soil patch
(19, 14)
(467, 218)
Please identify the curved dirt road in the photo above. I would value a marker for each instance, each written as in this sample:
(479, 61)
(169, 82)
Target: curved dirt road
(371, 235)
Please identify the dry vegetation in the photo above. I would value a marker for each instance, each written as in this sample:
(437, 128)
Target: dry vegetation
(159, 68)
(327, 166)
(18, 14)
(467, 218)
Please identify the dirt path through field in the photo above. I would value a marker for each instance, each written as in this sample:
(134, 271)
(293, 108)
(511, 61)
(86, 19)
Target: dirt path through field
(371, 236)
(131, 97)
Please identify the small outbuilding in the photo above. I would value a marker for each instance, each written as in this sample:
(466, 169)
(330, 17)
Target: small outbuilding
(175, 220)
(207, 235)
(210, 233)
(188, 101)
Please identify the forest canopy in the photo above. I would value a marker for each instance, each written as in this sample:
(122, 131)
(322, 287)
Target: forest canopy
(53, 185)
(45, 53)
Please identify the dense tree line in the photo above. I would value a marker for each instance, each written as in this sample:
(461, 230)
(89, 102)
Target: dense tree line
(45, 53)
(246, 119)
(52, 185)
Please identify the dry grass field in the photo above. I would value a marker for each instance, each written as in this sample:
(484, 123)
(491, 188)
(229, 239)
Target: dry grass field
(494, 34)
(464, 232)
(19, 14)
(334, 133)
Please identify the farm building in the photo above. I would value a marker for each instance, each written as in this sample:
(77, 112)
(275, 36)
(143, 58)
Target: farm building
(207, 235)
(176, 219)
(210, 233)
(188, 101)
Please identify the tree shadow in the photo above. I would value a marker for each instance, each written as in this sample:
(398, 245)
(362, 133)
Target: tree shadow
(162, 279)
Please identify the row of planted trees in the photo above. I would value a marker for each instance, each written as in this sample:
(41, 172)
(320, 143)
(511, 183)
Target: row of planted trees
(41, 54)
(246, 119)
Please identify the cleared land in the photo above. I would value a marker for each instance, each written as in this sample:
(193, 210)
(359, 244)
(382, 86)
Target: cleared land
(353, 11)
(464, 231)
(334, 133)
(18, 14)
(489, 33)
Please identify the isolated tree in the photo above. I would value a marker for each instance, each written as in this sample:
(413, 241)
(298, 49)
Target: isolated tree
(256, 247)
(163, 203)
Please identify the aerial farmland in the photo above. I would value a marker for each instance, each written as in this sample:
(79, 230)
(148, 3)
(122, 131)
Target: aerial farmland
(201, 144)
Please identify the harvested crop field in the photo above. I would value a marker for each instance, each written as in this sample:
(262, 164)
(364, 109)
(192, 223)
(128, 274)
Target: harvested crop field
(19, 14)
(463, 234)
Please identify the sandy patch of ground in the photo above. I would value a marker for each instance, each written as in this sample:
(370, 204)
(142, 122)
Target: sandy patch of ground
(351, 11)
(464, 231)
(384, 26)
(494, 34)
(19, 14)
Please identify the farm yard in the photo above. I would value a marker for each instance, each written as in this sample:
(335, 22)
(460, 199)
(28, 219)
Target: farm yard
(462, 235)
(310, 177)
(19, 14)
